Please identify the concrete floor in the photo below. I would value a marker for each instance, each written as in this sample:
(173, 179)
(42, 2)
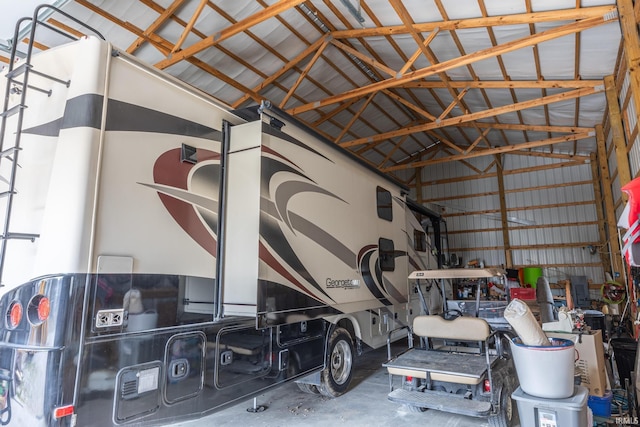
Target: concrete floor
(365, 404)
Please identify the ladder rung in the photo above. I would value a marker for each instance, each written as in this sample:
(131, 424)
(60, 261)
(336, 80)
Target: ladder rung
(13, 110)
(11, 75)
(9, 151)
(21, 236)
(17, 71)
(18, 83)
(6, 193)
(55, 79)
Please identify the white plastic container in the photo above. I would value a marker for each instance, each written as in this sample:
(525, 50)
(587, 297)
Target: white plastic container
(545, 371)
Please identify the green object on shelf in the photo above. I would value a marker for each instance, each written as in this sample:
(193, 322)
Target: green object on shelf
(531, 274)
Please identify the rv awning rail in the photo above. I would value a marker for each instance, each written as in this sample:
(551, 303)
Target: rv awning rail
(458, 273)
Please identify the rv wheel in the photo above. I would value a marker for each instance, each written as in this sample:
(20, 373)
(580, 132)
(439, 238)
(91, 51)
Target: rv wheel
(308, 388)
(335, 378)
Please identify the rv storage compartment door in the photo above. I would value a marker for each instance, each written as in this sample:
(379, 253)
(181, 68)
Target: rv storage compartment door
(241, 221)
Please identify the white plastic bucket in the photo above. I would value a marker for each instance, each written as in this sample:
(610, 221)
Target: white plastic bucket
(142, 321)
(545, 371)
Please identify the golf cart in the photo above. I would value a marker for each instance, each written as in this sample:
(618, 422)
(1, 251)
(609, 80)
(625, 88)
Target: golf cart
(461, 365)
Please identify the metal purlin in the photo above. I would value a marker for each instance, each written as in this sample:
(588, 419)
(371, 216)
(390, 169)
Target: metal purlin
(18, 80)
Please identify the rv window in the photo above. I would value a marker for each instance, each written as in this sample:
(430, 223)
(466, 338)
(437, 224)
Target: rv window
(386, 255)
(419, 241)
(383, 198)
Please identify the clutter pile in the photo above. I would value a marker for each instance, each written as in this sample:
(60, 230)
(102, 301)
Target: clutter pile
(545, 369)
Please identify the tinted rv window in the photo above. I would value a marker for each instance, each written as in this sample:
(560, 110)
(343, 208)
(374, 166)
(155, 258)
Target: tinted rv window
(384, 204)
(386, 256)
(419, 241)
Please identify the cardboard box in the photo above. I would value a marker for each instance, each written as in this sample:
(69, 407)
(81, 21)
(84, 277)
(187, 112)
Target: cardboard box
(590, 359)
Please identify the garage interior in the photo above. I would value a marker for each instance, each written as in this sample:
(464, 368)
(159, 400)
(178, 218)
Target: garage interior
(515, 121)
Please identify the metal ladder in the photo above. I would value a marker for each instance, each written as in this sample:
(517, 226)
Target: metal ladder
(18, 83)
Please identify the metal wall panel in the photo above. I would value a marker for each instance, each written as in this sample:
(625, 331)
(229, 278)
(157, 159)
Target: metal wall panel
(544, 223)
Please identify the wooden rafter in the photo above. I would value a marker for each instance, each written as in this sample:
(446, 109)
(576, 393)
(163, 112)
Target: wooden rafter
(457, 62)
(418, 52)
(288, 66)
(189, 27)
(476, 116)
(355, 117)
(491, 151)
(493, 21)
(503, 84)
(451, 106)
(165, 46)
(477, 141)
(229, 32)
(366, 59)
(159, 21)
(304, 73)
(410, 110)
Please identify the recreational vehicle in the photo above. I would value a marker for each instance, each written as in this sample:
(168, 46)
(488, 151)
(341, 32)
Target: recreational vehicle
(164, 257)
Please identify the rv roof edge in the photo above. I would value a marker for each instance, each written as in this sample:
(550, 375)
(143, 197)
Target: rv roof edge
(267, 106)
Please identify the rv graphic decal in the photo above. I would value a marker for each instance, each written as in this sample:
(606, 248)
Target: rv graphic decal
(189, 192)
(371, 274)
(86, 111)
(176, 183)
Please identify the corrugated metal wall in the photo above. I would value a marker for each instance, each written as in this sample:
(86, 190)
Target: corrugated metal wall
(550, 206)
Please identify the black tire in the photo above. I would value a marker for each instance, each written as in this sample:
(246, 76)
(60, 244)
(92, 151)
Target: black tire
(308, 388)
(508, 411)
(336, 377)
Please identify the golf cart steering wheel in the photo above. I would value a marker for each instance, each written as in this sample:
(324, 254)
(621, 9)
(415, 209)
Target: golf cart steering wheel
(451, 314)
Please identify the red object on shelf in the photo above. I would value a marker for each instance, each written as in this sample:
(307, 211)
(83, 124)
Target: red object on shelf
(523, 293)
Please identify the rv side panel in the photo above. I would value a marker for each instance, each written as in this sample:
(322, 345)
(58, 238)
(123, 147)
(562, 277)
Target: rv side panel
(242, 210)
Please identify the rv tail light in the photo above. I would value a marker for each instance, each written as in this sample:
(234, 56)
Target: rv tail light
(487, 386)
(14, 315)
(39, 309)
(63, 411)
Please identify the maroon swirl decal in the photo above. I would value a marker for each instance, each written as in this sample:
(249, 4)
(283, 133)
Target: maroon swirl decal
(169, 170)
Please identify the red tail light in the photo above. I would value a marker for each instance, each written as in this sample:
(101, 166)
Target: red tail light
(63, 411)
(39, 309)
(14, 315)
(487, 386)
(44, 309)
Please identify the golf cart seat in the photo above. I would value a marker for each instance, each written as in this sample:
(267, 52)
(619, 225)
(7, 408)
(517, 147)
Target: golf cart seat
(463, 367)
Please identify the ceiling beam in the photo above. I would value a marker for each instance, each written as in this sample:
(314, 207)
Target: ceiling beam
(502, 84)
(230, 31)
(493, 21)
(475, 116)
(164, 16)
(531, 128)
(165, 47)
(189, 27)
(303, 74)
(364, 58)
(456, 62)
(286, 67)
(490, 151)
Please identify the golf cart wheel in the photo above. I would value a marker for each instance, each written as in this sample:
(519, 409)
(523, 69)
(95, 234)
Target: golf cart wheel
(508, 411)
(336, 377)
